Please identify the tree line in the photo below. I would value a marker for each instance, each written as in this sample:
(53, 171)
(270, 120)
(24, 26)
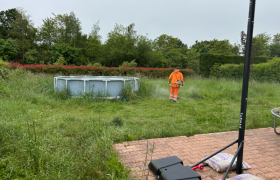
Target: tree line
(59, 40)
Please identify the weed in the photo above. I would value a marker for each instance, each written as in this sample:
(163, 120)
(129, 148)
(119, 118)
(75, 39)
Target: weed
(117, 121)
(132, 137)
(63, 94)
(127, 92)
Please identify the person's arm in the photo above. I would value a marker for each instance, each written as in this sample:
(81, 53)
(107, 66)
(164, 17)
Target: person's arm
(182, 79)
(169, 79)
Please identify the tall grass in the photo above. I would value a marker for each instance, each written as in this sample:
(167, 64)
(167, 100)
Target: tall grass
(47, 135)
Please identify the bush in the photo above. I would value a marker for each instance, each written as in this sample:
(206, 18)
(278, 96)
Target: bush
(208, 60)
(60, 61)
(68, 70)
(117, 121)
(269, 71)
(3, 63)
(129, 64)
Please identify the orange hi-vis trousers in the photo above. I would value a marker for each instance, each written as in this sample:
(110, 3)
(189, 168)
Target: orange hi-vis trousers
(173, 93)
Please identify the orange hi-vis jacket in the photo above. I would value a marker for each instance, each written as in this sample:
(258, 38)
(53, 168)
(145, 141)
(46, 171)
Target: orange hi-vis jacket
(176, 77)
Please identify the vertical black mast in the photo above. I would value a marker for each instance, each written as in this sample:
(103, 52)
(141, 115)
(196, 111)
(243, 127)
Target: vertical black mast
(239, 169)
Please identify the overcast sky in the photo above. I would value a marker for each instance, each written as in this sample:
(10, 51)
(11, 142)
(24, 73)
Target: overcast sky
(188, 20)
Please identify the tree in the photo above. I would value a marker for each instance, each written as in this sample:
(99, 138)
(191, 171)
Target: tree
(202, 47)
(260, 44)
(8, 49)
(192, 59)
(6, 18)
(173, 50)
(215, 46)
(48, 32)
(276, 39)
(120, 45)
(95, 29)
(31, 56)
(145, 54)
(94, 48)
(68, 29)
(70, 54)
(165, 42)
(24, 32)
(275, 46)
(243, 38)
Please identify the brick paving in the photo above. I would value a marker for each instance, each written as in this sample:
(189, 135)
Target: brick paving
(261, 152)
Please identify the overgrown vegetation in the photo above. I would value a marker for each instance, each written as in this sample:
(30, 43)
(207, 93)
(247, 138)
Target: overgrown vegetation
(268, 71)
(46, 136)
(100, 71)
(207, 61)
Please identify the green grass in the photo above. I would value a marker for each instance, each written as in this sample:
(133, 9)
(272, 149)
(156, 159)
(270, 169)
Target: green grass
(48, 135)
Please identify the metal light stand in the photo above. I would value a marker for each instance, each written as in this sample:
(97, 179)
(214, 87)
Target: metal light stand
(240, 140)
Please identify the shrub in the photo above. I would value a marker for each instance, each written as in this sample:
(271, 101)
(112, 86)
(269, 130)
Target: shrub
(3, 63)
(208, 60)
(60, 61)
(100, 71)
(117, 121)
(127, 92)
(129, 64)
(269, 71)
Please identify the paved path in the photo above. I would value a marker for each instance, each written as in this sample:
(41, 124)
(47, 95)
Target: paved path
(261, 152)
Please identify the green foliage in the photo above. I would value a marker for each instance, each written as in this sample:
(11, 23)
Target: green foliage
(223, 48)
(94, 48)
(8, 49)
(208, 60)
(145, 88)
(268, 71)
(97, 71)
(63, 94)
(132, 137)
(48, 32)
(117, 121)
(275, 46)
(3, 63)
(74, 138)
(192, 59)
(70, 54)
(6, 19)
(129, 64)
(260, 44)
(24, 33)
(275, 50)
(60, 61)
(97, 64)
(172, 49)
(117, 170)
(4, 73)
(227, 70)
(120, 45)
(145, 55)
(31, 56)
(202, 47)
(127, 92)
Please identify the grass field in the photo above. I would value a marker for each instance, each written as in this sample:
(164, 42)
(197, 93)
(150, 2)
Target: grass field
(48, 135)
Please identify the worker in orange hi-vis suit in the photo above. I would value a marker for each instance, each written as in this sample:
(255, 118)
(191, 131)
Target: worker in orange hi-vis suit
(175, 80)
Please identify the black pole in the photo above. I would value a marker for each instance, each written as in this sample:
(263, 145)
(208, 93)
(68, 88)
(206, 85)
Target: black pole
(208, 157)
(232, 161)
(239, 169)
